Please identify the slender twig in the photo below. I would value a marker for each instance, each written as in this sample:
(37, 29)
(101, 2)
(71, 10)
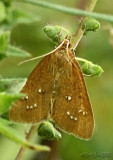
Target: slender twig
(79, 33)
(70, 11)
(28, 137)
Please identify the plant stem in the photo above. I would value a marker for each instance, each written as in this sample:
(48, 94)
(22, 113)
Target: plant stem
(72, 11)
(79, 33)
(28, 137)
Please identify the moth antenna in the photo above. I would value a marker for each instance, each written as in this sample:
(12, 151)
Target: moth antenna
(67, 48)
(68, 54)
(42, 55)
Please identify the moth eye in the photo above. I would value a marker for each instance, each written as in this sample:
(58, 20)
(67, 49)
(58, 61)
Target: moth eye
(68, 98)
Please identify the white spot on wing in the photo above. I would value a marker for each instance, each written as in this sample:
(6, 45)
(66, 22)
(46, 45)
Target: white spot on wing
(27, 107)
(68, 113)
(31, 107)
(71, 117)
(40, 90)
(26, 97)
(35, 105)
(80, 111)
(68, 98)
(84, 113)
(75, 118)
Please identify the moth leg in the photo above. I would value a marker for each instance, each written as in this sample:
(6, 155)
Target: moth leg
(25, 131)
(57, 37)
(87, 75)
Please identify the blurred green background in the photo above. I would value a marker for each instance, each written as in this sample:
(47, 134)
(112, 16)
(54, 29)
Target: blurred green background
(96, 47)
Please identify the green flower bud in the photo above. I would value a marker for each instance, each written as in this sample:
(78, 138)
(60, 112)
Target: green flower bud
(89, 68)
(47, 131)
(53, 32)
(90, 24)
(56, 33)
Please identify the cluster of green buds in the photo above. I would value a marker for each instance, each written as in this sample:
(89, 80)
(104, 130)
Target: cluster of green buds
(55, 34)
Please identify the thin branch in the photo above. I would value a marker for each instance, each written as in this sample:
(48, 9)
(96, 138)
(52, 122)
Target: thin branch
(79, 33)
(28, 137)
(71, 11)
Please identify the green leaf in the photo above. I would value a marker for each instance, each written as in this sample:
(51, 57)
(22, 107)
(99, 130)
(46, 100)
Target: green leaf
(7, 3)
(5, 122)
(15, 136)
(7, 50)
(21, 16)
(6, 101)
(12, 51)
(2, 56)
(47, 131)
(5, 116)
(4, 40)
(2, 12)
(12, 85)
(9, 89)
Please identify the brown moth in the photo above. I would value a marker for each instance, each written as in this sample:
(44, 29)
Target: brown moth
(56, 90)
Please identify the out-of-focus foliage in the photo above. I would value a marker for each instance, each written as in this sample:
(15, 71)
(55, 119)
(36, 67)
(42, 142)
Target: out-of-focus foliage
(12, 85)
(9, 92)
(6, 100)
(2, 11)
(11, 16)
(16, 137)
(7, 50)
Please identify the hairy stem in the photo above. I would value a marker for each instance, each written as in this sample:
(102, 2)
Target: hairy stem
(72, 11)
(79, 33)
(28, 137)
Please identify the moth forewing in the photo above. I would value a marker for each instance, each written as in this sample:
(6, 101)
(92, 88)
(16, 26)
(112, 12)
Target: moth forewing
(38, 89)
(72, 109)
